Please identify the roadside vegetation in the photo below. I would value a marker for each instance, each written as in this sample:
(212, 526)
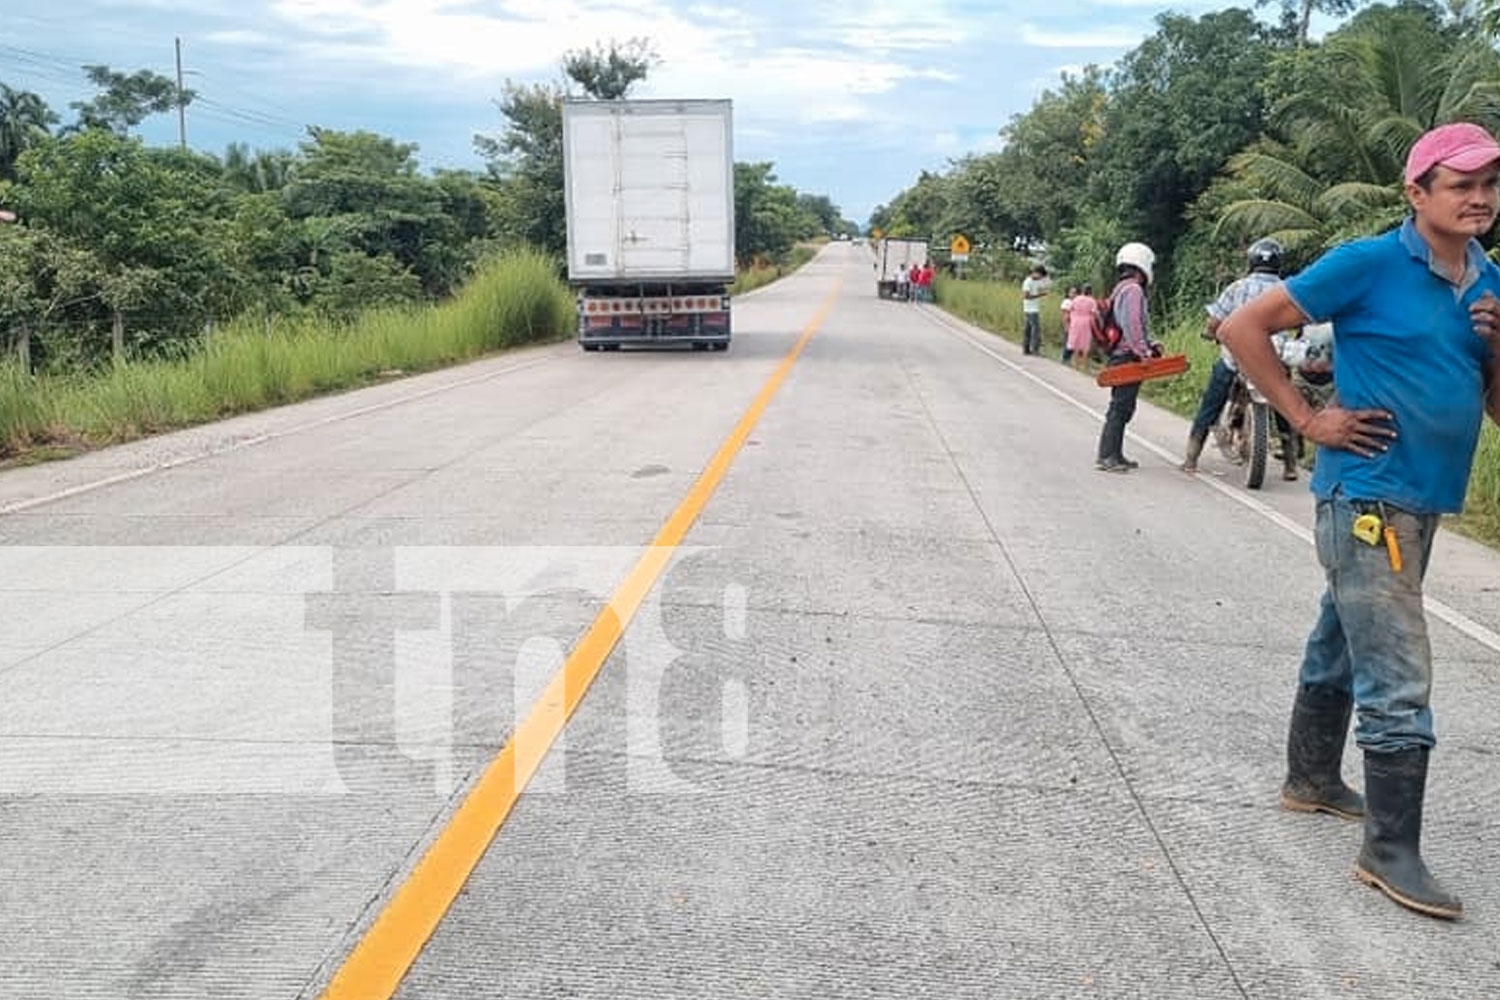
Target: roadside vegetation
(762, 272)
(248, 365)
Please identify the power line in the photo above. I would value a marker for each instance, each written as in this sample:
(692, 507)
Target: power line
(219, 86)
(244, 114)
(63, 68)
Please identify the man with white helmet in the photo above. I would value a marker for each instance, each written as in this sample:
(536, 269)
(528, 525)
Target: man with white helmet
(1127, 304)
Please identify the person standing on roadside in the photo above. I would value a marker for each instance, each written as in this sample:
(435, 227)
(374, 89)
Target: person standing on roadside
(1416, 332)
(1067, 309)
(928, 274)
(1127, 304)
(1264, 259)
(1033, 289)
(1083, 317)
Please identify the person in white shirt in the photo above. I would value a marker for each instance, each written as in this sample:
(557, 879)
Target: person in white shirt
(1033, 289)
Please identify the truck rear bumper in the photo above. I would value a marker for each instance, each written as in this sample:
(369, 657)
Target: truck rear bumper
(706, 328)
(689, 319)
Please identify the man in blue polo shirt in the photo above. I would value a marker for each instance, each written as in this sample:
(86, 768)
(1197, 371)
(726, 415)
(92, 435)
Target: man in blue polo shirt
(1416, 334)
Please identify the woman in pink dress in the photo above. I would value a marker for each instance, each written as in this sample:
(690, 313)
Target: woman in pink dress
(1082, 319)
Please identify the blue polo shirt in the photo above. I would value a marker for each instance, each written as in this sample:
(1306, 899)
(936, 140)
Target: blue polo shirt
(1404, 343)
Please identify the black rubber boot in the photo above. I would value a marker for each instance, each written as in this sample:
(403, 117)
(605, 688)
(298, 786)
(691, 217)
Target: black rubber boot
(1315, 753)
(1391, 858)
(1290, 467)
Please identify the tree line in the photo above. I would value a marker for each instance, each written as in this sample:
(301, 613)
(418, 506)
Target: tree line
(128, 250)
(1215, 131)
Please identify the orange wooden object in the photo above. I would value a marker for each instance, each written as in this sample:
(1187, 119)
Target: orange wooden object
(1140, 371)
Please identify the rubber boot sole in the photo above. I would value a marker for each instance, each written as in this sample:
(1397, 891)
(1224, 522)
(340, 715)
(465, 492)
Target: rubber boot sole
(1374, 881)
(1305, 806)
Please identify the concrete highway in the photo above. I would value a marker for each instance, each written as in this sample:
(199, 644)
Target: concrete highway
(825, 667)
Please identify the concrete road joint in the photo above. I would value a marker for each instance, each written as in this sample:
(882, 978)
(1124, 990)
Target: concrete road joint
(250, 442)
(260, 550)
(1062, 662)
(1443, 612)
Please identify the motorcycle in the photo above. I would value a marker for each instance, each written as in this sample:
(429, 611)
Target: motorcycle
(1243, 431)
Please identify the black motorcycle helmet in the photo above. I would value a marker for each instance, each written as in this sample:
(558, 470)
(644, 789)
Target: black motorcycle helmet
(1265, 255)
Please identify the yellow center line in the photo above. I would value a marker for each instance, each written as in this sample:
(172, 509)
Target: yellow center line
(376, 966)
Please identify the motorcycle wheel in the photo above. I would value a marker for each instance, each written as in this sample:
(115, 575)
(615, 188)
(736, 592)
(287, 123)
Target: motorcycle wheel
(1258, 444)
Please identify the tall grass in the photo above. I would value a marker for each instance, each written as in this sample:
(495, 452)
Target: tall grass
(517, 299)
(997, 308)
(1481, 517)
(760, 274)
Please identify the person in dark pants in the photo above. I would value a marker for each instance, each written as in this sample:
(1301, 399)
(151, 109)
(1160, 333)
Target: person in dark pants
(1416, 333)
(1033, 290)
(1264, 257)
(1127, 302)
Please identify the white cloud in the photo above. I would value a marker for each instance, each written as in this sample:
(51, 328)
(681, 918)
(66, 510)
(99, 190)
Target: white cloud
(528, 36)
(895, 25)
(1098, 38)
(240, 37)
(1155, 6)
(792, 86)
(990, 142)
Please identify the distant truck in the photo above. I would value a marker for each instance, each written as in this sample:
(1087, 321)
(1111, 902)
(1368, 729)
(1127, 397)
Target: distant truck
(893, 257)
(649, 188)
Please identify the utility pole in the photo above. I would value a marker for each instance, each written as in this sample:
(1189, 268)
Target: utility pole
(181, 105)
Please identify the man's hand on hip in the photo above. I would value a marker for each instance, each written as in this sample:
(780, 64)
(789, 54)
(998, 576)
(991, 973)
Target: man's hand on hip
(1364, 432)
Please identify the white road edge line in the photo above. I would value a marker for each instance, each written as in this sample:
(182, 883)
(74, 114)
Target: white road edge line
(1451, 616)
(250, 442)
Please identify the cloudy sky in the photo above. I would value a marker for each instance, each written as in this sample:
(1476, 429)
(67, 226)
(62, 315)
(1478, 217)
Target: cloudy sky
(851, 99)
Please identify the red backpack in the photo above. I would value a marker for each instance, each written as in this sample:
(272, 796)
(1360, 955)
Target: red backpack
(1107, 332)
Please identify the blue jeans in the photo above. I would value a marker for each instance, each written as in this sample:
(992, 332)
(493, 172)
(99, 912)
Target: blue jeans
(1215, 395)
(1031, 337)
(1371, 634)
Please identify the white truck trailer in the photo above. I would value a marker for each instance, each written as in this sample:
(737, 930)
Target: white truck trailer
(895, 256)
(649, 189)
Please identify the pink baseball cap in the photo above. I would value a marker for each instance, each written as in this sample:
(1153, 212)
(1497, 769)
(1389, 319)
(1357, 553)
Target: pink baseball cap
(1459, 146)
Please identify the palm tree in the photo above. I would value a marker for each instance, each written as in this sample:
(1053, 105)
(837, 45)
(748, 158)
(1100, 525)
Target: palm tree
(1356, 106)
(24, 121)
(260, 171)
(1303, 212)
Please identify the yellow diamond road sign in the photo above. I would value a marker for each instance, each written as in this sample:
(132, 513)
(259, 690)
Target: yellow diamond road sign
(960, 245)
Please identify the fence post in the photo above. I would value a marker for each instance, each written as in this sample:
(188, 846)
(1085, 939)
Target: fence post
(117, 336)
(23, 347)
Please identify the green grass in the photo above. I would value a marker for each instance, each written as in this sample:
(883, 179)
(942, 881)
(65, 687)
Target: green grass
(997, 308)
(515, 300)
(760, 275)
(1481, 517)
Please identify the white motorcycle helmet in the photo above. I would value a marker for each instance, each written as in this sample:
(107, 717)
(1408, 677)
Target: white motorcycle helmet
(1137, 255)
